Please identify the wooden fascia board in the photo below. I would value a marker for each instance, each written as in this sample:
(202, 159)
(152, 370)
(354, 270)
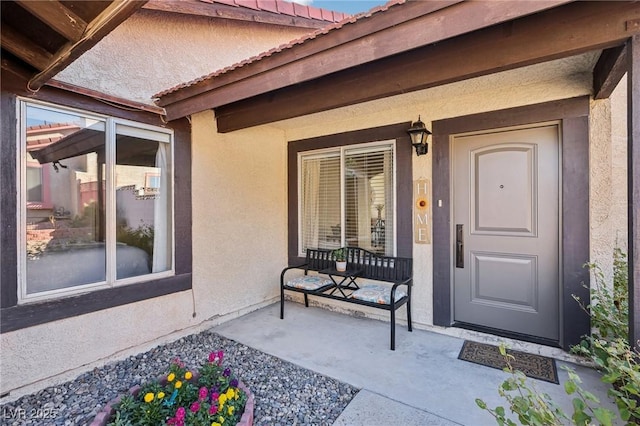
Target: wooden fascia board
(216, 10)
(57, 16)
(354, 44)
(96, 30)
(591, 26)
(608, 71)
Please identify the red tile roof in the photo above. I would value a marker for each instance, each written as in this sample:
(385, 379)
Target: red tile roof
(348, 19)
(284, 7)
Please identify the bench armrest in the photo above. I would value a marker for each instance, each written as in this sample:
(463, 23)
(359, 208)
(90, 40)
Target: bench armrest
(396, 284)
(302, 266)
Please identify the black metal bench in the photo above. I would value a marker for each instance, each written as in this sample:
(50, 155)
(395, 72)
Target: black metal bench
(363, 264)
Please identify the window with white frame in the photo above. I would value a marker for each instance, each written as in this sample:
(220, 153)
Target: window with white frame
(100, 225)
(346, 198)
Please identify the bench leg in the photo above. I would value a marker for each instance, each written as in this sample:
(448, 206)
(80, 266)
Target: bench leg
(409, 315)
(393, 329)
(281, 302)
(306, 300)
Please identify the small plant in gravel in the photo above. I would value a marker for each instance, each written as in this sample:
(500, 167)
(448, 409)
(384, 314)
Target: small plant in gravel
(210, 397)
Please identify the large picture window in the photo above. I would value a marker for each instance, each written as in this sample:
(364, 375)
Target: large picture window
(347, 198)
(101, 225)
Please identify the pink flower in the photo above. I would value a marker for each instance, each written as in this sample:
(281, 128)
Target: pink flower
(195, 407)
(202, 393)
(213, 409)
(212, 356)
(180, 413)
(215, 396)
(220, 356)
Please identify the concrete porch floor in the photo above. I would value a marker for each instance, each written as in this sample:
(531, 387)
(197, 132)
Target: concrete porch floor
(422, 382)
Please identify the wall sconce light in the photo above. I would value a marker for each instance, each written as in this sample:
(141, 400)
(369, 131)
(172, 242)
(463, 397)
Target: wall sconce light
(419, 134)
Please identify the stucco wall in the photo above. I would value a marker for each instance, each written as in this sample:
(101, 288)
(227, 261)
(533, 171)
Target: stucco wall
(239, 215)
(608, 177)
(135, 54)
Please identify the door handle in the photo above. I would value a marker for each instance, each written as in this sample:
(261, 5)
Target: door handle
(459, 246)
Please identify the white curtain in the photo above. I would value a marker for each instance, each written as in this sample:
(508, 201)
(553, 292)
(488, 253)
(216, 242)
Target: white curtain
(161, 209)
(364, 210)
(389, 198)
(310, 203)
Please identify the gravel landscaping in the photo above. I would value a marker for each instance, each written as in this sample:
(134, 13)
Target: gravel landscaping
(285, 394)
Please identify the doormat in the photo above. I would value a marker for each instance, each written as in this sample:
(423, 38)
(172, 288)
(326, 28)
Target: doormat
(534, 366)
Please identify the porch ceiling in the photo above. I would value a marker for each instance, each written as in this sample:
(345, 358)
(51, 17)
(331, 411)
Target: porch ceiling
(41, 38)
(364, 61)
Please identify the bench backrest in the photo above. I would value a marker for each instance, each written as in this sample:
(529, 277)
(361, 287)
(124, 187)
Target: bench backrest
(374, 266)
(319, 259)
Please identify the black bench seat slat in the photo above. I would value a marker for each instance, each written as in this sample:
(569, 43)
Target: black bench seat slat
(396, 271)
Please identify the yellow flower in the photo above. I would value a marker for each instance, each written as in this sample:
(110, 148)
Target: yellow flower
(230, 410)
(188, 375)
(221, 419)
(215, 424)
(230, 393)
(160, 395)
(170, 377)
(148, 397)
(178, 384)
(222, 399)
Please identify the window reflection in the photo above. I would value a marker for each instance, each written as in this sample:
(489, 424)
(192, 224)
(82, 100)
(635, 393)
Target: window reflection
(64, 224)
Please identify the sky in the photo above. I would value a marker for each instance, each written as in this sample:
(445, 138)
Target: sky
(351, 7)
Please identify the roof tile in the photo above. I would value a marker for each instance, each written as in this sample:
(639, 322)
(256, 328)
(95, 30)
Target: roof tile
(314, 12)
(268, 5)
(301, 10)
(249, 4)
(228, 2)
(286, 8)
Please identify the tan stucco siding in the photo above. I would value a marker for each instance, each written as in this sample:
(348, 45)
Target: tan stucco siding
(608, 177)
(153, 51)
(239, 215)
(39, 353)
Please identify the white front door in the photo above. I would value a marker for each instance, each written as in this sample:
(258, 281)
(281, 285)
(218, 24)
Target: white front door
(506, 230)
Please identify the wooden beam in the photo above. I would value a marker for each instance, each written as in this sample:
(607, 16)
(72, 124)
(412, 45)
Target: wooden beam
(24, 48)
(609, 70)
(586, 26)
(221, 11)
(364, 41)
(633, 123)
(57, 16)
(103, 24)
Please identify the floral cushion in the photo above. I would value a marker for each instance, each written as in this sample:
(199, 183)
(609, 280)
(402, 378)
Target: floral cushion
(309, 282)
(377, 294)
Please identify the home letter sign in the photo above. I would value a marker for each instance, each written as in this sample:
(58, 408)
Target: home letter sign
(421, 211)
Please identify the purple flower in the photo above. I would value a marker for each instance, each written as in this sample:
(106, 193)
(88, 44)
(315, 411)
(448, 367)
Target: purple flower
(226, 372)
(234, 383)
(180, 413)
(202, 393)
(195, 407)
